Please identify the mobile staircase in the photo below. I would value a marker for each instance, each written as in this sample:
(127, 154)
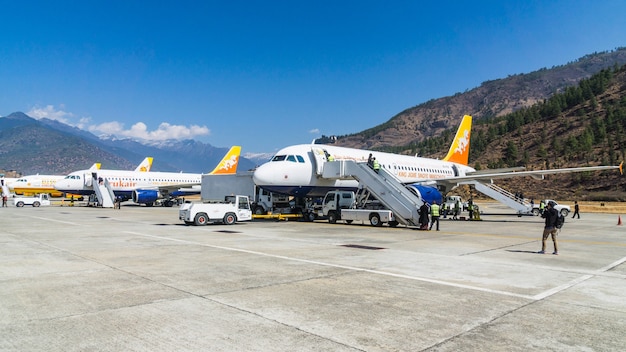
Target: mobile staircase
(503, 196)
(103, 191)
(384, 186)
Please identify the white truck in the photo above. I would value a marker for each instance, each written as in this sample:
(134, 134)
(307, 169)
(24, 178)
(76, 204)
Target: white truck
(215, 187)
(340, 205)
(561, 208)
(450, 202)
(36, 201)
(232, 209)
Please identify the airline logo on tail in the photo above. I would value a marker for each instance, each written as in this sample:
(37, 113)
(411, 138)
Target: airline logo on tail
(228, 164)
(145, 165)
(459, 150)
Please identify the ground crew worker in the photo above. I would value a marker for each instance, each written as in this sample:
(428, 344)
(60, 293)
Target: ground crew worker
(376, 165)
(434, 215)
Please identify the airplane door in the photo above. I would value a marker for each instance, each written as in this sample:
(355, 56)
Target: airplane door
(320, 158)
(87, 180)
(455, 169)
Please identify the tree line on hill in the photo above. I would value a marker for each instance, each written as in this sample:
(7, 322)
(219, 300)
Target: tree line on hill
(588, 122)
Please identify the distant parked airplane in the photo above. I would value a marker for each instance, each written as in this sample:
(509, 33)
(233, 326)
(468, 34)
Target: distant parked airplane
(145, 187)
(33, 184)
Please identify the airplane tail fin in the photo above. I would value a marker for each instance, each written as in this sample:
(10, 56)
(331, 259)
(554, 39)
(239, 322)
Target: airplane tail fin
(459, 150)
(95, 167)
(228, 164)
(145, 165)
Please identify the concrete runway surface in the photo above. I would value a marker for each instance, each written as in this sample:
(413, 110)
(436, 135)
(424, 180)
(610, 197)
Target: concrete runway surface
(137, 279)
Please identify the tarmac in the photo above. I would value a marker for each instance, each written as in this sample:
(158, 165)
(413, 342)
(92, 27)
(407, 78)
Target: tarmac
(138, 279)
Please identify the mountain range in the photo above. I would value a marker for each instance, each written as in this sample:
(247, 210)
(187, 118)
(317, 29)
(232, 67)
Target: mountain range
(491, 99)
(45, 146)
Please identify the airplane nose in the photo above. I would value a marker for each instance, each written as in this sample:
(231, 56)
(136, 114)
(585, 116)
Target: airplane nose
(262, 175)
(58, 185)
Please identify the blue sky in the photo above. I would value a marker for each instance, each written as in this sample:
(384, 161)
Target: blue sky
(267, 74)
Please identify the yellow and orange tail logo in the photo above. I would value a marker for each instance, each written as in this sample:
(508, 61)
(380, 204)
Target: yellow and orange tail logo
(145, 165)
(459, 150)
(228, 164)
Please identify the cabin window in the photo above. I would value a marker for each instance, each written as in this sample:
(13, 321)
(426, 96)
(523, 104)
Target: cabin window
(279, 158)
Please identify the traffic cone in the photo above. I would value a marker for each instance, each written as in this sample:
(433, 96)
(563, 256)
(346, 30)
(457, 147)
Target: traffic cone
(619, 220)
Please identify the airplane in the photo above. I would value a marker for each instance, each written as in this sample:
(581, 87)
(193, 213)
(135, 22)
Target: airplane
(33, 184)
(146, 187)
(295, 170)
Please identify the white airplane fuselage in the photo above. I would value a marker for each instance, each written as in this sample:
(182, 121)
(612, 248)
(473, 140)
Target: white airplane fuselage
(32, 184)
(294, 169)
(124, 183)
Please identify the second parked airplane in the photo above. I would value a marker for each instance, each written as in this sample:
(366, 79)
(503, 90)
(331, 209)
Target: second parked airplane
(145, 187)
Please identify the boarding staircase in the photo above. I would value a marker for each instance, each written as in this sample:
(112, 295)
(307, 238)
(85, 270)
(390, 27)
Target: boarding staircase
(503, 196)
(104, 192)
(384, 186)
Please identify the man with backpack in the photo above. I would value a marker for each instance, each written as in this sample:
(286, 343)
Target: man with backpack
(552, 226)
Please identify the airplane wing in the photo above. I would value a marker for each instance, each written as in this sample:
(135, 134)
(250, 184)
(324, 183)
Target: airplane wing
(536, 174)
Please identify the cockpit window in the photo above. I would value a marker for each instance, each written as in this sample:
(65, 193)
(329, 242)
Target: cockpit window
(291, 158)
(279, 158)
(300, 158)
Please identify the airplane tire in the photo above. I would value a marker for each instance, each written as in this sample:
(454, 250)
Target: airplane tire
(230, 218)
(258, 210)
(375, 220)
(201, 219)
(310, 216)
(36, 204)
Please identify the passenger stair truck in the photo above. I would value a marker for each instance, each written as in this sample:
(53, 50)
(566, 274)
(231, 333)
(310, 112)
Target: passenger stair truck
(503, 196)
(230, 210)
(103, 190)
(384, 186)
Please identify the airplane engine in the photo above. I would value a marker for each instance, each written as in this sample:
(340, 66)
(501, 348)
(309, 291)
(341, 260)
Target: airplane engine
(146, 196)
(428, 194)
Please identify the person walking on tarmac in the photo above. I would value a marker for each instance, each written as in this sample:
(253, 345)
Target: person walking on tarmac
(551, 215)
(5, 194)
(576, 210)
(434, 215)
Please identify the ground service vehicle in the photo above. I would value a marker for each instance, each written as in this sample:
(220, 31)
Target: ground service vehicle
(39, 200)
(450, 202)
(340, 205)
(232, 209)
(561, 208)
(215, 187)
